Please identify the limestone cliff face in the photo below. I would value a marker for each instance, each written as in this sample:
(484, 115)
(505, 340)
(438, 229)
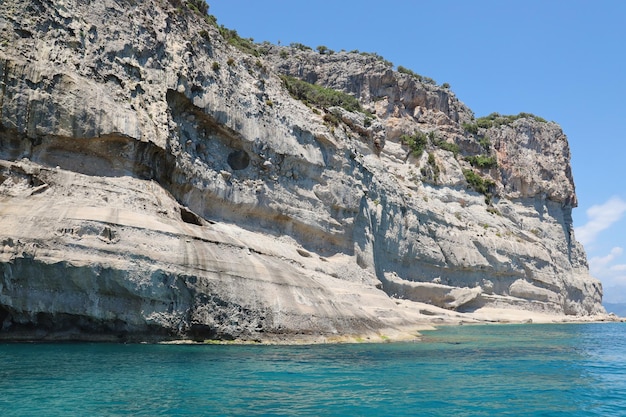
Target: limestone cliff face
(157, 182)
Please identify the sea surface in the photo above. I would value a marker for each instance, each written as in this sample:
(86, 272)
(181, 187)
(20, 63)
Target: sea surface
(488, 370)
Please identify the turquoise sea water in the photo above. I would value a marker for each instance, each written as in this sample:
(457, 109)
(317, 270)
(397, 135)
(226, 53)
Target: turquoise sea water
(516, 370)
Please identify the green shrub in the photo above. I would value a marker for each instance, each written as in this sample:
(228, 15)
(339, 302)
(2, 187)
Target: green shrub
(211, 20)
(484, 123)
(495, 211)
(300, 46)
(433, 164)
(416, 142)
(259, 65)
(450, 147)
(312, 94)
(482, 161)
(244, 45)
(199, 6)
(481, 185)
(377, 57)
(215, 66)
(431, 159)
(471, 128)
(230, 62)
(532, 116)
(323, 50)
(404, 70)
(332, 118)
(485, 143)
(497, 119)
(204, 35)
(420, 78)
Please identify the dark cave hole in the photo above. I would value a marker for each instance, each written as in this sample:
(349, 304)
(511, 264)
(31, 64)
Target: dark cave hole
(190, 217)
(238, 160)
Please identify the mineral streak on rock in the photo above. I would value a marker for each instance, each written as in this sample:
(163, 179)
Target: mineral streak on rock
(158, 183)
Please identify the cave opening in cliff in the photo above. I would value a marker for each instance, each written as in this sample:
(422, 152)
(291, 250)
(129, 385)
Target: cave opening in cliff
(190, 217)
(238, 160)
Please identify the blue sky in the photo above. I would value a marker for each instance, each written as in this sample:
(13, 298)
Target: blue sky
(563, 60)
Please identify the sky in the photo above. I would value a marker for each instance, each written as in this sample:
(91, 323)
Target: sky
(563, 60)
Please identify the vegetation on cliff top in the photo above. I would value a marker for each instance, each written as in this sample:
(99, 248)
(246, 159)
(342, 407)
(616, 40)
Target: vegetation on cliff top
(497, 119)
(245, 45)
(420, 78)
(199, 5)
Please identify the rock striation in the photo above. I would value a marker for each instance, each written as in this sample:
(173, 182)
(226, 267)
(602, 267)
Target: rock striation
(157, 182)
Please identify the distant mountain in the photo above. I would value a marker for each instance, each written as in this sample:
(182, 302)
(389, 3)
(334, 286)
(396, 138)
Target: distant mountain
(616, 308)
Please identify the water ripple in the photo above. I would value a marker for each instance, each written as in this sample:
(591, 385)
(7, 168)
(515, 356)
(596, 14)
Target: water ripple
(516, 370)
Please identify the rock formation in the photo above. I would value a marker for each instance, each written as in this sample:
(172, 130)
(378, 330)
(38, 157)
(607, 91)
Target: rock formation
(162, 178)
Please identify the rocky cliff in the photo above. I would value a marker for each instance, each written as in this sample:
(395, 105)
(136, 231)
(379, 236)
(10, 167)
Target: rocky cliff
(162, 178)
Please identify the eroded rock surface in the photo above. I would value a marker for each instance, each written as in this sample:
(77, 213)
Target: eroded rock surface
(158, 183)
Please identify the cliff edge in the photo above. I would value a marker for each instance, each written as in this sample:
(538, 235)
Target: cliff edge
(162, 178)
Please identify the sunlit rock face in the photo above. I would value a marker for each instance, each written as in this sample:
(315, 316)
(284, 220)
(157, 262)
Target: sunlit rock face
(157, 183)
